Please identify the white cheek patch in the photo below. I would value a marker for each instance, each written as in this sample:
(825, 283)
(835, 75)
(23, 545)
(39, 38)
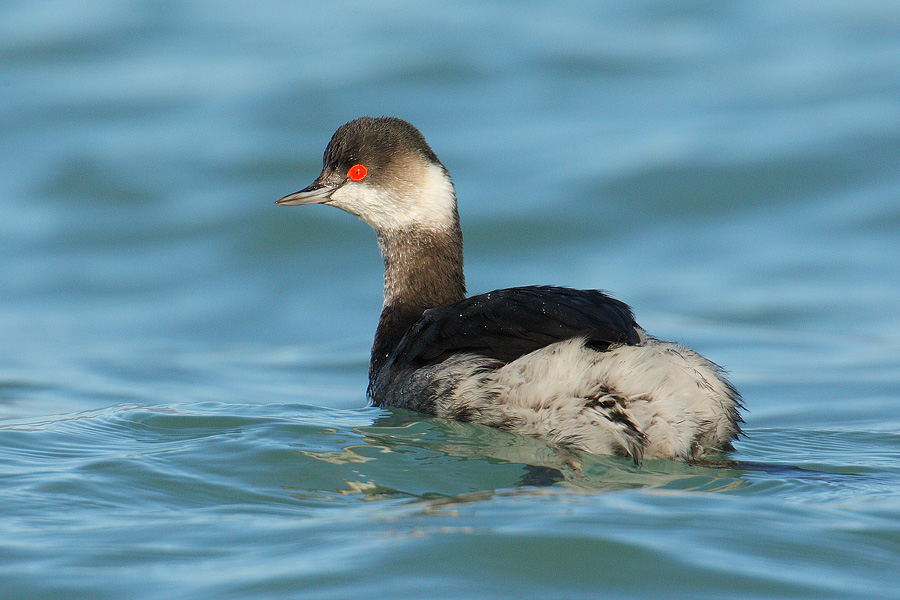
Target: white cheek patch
(437, 203)
(427, 203)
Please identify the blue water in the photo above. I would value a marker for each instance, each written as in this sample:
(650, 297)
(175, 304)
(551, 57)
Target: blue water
(183, 364)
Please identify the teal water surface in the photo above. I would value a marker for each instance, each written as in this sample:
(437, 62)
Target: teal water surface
(183, 363)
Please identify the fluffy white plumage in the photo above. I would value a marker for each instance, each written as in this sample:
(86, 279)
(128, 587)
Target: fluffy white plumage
(654, 400)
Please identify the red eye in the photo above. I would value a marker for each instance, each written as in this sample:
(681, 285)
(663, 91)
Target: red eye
(357, 172)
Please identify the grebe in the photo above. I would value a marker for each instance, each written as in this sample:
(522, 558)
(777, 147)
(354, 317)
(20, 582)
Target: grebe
(569, 366)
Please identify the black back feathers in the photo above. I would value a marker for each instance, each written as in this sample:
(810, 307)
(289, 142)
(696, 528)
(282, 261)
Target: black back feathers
(509, 323)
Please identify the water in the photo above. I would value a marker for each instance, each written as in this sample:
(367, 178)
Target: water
(183, 364)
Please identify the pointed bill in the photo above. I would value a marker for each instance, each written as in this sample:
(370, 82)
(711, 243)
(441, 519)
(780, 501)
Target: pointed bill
(315, 193)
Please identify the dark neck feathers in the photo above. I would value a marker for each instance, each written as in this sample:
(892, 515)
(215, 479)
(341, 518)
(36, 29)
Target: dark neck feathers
(423, 269)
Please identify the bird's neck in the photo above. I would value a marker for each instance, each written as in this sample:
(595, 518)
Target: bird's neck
(423, 268)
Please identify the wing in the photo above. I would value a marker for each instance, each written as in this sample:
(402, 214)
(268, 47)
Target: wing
(506, 324)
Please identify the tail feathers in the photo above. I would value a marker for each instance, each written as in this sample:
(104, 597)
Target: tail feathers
(626, 434)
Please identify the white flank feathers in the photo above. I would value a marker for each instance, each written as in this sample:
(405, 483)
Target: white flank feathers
(655, 400)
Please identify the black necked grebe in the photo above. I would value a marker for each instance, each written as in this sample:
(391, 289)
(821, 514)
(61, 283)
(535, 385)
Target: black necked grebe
(569, 366)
